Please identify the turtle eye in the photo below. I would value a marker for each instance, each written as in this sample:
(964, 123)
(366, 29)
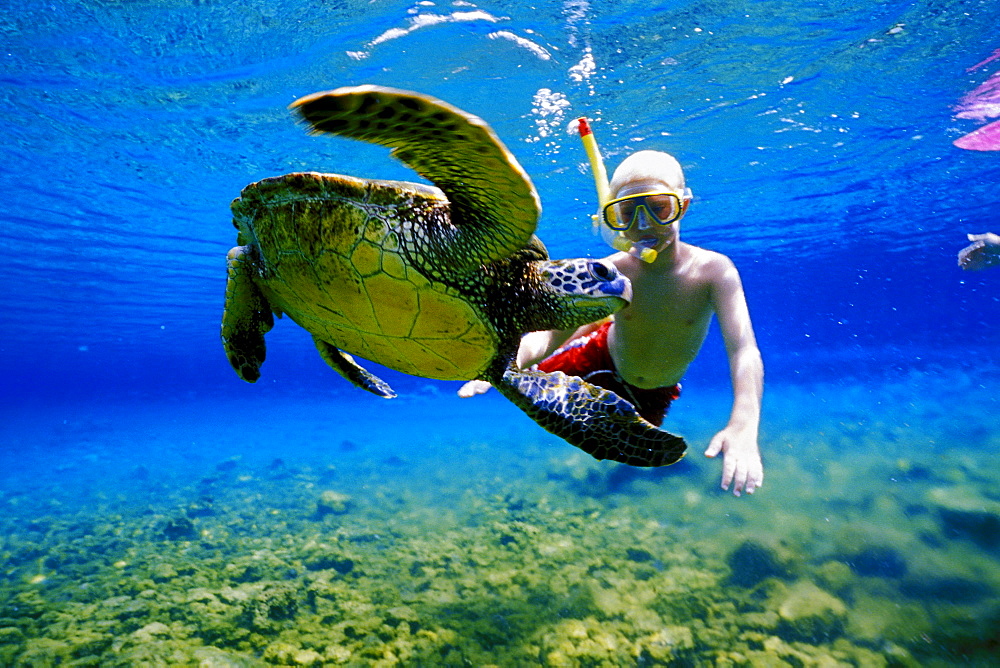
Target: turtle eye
(601, 271)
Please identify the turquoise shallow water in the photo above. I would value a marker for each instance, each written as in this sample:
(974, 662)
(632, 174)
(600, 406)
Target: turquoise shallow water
(279, 531)
(158, 511)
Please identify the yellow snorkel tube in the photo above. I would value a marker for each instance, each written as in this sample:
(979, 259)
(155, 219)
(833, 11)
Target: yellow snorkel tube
(596, 166)
(616, 240)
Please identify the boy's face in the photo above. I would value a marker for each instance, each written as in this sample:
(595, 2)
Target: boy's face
(648, 228)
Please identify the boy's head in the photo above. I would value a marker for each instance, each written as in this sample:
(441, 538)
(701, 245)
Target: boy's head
(654, 169)
(648, 199)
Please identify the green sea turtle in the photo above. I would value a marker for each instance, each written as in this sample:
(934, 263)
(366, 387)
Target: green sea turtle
(439, 282)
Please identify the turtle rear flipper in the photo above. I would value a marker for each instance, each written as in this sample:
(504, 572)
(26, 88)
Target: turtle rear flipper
(596, 420)
(245, 318)
(345, 365)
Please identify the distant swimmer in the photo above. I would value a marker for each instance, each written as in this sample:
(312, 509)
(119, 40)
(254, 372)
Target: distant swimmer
(982, 253)
(643, 352)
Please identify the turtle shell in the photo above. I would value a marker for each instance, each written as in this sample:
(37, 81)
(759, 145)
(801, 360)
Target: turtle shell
(337, 255)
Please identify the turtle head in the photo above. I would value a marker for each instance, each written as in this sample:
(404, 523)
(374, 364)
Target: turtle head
(581, 291)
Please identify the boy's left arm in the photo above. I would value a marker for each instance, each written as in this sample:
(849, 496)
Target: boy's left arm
(741, 464)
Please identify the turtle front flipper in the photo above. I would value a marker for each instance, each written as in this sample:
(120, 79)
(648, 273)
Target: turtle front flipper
(494, 205)
(345, 365)
(596, 420)
(246, 316)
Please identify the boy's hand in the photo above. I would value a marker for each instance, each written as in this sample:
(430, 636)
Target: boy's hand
(473, 387)
(741, 465)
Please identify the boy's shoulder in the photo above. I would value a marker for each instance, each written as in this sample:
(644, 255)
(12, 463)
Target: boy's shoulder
(706, 259)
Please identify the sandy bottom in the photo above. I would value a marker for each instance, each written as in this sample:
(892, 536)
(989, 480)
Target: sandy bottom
(431, 531)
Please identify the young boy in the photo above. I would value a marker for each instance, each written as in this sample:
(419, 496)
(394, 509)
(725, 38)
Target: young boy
(642, 353)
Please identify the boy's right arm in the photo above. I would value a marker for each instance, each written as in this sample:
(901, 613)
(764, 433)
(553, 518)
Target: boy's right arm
(534, 347)
(537, 346)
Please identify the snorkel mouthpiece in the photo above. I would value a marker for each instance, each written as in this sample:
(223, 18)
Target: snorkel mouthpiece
(617, 240)
(642, 249)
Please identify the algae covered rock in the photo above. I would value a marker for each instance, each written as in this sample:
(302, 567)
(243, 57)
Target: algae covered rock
(179, 528)
(163, 572)
(265, 608)
(878, 561)
(332, 503)
(11, 638)
(753, 562)
(874, 618)
(834, 575)
(663, 646)
(150, 631)
(323, 562)
(808, 613)
(287, 654)
(259, 566)
(964, 514)
(587, 641)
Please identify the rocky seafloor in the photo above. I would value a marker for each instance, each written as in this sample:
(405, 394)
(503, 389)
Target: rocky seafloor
(872, 543)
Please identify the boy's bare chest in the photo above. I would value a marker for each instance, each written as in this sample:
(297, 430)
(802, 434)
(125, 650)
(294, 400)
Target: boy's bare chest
(668, 302)
(657, 336)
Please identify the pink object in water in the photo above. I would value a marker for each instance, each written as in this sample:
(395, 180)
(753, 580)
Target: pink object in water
(993, 56)
(983, 102)
(986, 138)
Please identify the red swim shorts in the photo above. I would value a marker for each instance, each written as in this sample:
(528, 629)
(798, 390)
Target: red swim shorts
(588, 358)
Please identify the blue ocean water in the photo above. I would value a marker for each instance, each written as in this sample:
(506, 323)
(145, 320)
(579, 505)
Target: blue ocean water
(817, 138)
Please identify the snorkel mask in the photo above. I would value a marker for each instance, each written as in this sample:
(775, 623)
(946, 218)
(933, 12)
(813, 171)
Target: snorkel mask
(645, 209)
